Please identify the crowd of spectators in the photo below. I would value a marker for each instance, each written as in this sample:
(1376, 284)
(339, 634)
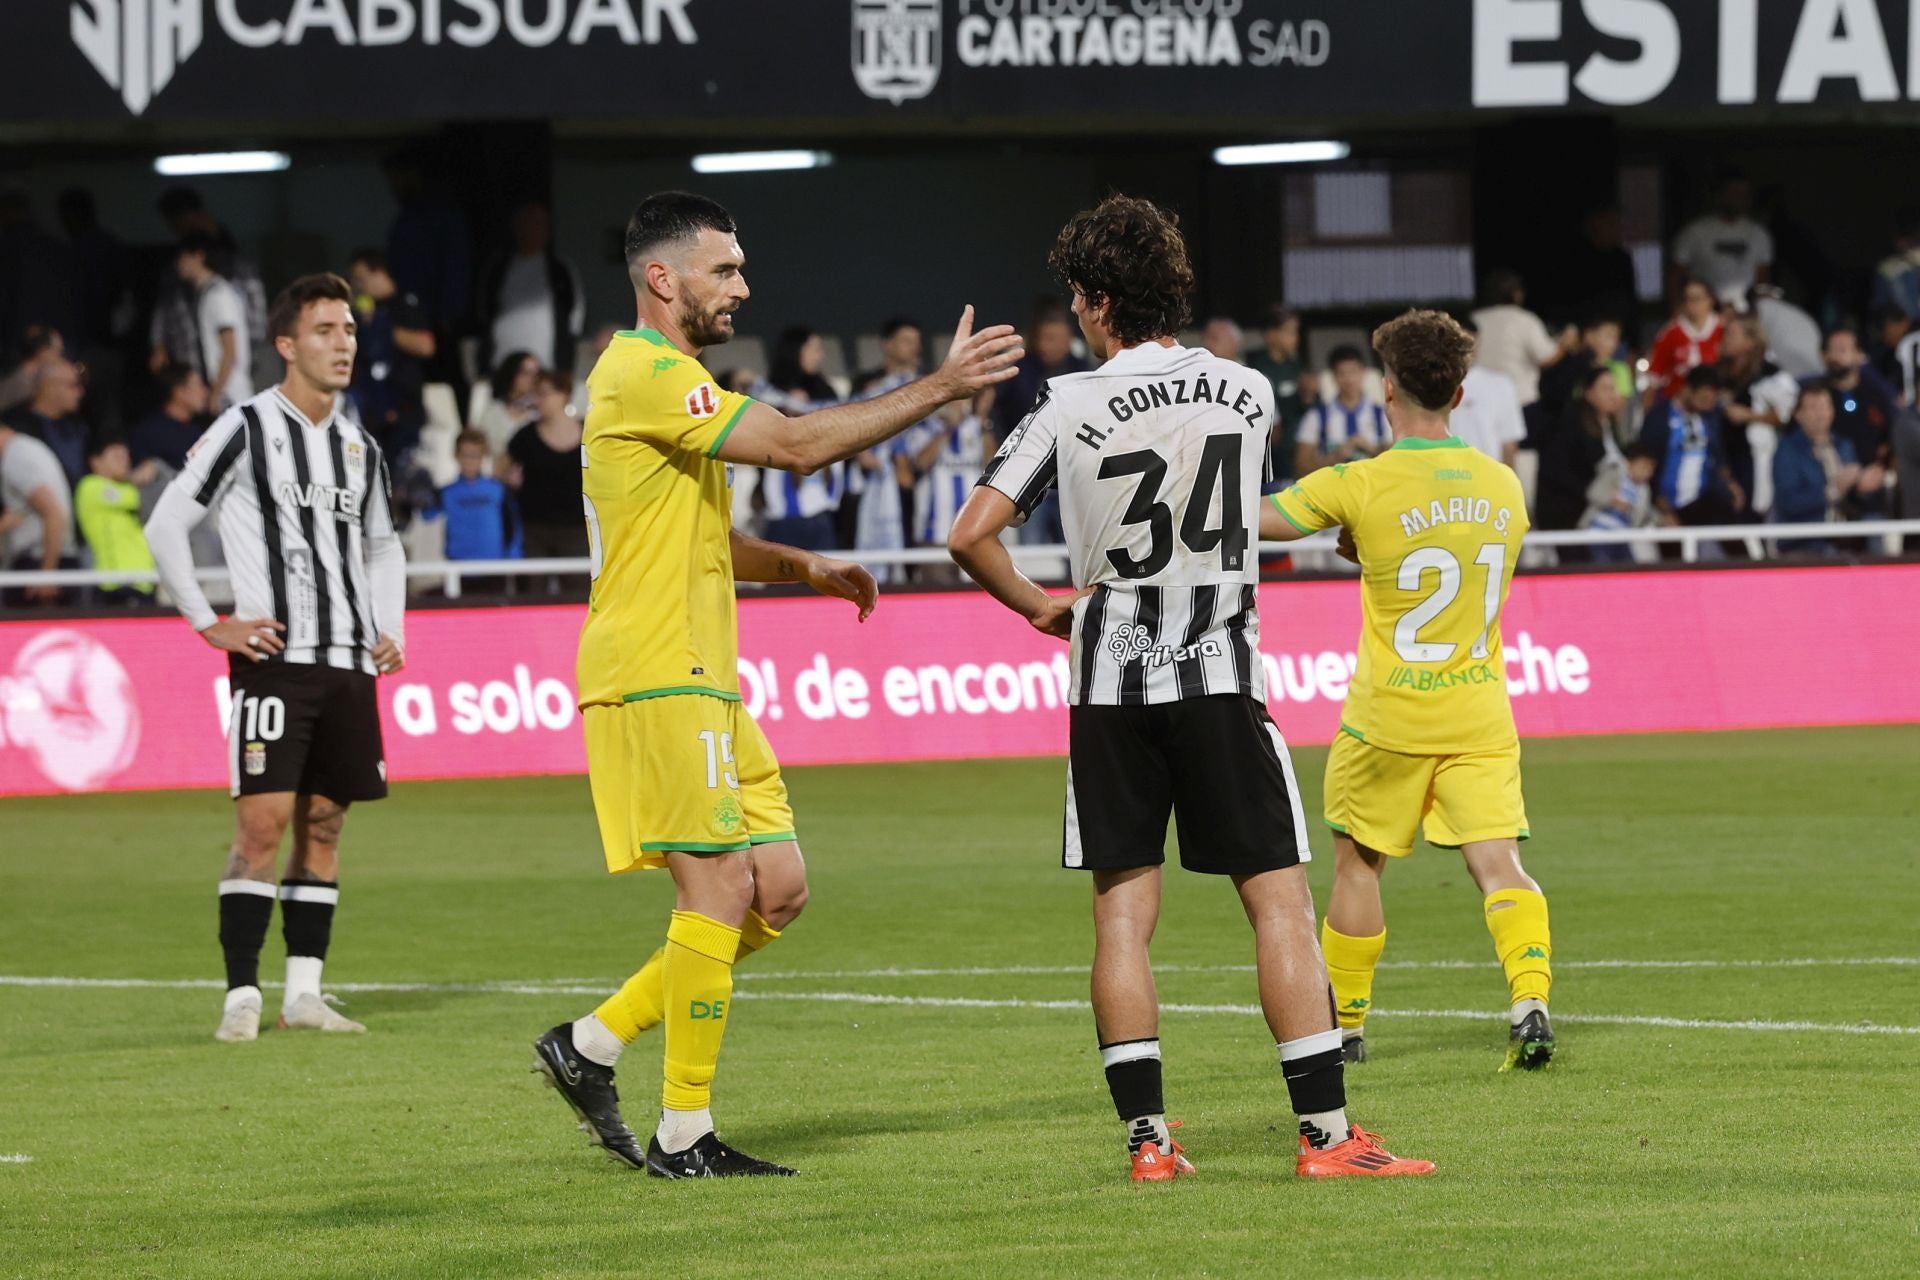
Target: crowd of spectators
(1738, 410)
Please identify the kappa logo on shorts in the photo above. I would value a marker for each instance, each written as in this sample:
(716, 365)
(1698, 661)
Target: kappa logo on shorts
(727, 817)
(255, 759)
(703, 401)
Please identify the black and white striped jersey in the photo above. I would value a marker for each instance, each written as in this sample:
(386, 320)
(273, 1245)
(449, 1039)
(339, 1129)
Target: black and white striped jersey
(1159, 456)
(306, 524)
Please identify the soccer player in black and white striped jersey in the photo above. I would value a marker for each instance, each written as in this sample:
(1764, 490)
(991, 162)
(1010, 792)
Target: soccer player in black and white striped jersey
(1159, 456)
(319, 580)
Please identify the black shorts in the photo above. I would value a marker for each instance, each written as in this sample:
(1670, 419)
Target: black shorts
(308, 728)
(1218, 764)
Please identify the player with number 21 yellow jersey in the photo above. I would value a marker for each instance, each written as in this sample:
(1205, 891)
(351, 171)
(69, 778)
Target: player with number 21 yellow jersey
(1427, 738)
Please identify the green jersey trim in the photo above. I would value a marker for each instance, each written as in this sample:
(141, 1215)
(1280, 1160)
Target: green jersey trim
(691, 846)
(1352, 732)
(1288, 516)
(774, 837)
(1413, 442)
(674, 690)
(1332, 825)
(727, 430)
(654, 336)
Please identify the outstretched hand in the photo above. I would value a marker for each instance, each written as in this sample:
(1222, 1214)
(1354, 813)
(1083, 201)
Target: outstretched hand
(976, 361)
(844, 580)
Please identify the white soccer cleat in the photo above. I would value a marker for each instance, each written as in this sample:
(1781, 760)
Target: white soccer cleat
(309, 1012)
(241, 1021)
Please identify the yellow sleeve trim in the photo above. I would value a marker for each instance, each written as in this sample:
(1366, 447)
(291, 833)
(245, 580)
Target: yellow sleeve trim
(713, 451)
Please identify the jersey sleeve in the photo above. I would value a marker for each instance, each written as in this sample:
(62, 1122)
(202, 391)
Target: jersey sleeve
(672, 402)
(1027, 465)
(216, 459)
(1320, 499)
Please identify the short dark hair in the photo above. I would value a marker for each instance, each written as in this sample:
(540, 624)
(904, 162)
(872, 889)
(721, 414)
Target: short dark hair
(1498, 286)
(372, 259)
(472, 435)
(200, 242)
(1129, 254)
(1705, 377)
(1427, 354)
(895, 324)
(1636, 451)
(174, 376)
(1279, 316)
(1344, 352)
(99, 444)
(1835, 332)
(1687, 282)
(283, 320)
(1813, 387)
(669, 216)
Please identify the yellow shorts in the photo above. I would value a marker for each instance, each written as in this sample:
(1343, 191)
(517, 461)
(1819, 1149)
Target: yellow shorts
(687, 772)
(1379, 797)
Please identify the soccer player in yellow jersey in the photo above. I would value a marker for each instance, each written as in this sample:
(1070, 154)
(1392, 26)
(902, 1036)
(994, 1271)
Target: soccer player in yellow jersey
(682, 778)
(1426, 737)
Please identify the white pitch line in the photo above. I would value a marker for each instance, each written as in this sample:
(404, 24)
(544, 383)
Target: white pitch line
(16, 1158)
(1803, 962)
(969, 1002)
(1473, 1015)
(598, 985)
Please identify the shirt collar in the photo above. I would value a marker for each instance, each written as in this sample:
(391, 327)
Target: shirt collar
(293, 411)
(1146, 358)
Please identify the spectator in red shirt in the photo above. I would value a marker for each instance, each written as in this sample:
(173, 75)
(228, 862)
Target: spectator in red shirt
(1684, 343)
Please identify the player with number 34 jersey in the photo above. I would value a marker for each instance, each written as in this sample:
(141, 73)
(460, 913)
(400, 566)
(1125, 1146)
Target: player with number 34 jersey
(1427, 738)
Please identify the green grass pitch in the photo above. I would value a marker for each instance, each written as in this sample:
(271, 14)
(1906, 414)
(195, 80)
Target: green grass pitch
(966, 1129)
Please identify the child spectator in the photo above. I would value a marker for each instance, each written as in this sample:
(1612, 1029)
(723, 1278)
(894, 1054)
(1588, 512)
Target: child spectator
(482, 522)
(1620, 497)
(107, 504)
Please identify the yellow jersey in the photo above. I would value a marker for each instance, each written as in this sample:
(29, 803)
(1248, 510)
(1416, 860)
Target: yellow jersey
(659, 514)
(1438, 526)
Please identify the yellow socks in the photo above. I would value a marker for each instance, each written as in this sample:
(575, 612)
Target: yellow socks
(1522, 941)
(640, 1004)
(1350, 965)
(636, 1006)
(697, 987)
(755, 933)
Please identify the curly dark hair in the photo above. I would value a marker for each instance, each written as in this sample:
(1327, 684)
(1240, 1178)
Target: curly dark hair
(1129, 254)
(1427, 353)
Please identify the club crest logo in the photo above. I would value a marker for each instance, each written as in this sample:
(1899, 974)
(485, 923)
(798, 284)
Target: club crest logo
(255, 760)
(727, 817)
(136, 45)
(896, 48)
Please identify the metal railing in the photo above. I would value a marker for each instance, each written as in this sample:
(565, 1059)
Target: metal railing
(1760, 541)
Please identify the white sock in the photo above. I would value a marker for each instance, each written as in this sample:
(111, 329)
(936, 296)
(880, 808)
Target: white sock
(1145, 1129)
(1326, 1128)
(303, 977)
(681, 1129)
(1518, 1014)
(238, 994)
(595, 1041)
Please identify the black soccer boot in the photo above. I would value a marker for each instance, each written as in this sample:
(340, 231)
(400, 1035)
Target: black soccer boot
(1529, 1043)
(710, 1158)
(588, 1089)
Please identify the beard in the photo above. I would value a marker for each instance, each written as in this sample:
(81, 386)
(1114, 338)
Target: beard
(704, 328)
